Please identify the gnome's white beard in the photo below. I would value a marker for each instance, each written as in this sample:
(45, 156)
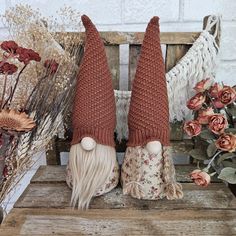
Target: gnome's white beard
(90, 170)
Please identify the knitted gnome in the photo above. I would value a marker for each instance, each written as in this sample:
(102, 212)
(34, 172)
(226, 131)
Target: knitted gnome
(148, 171)
(92, 169)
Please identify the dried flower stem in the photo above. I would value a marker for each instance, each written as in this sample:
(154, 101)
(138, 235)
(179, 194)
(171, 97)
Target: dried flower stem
(34, 89)
(209, 96)
(4, 91)
(16, 83)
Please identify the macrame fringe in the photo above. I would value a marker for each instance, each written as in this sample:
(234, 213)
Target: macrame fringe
(172, 189)
(197, 64)
(90, 170)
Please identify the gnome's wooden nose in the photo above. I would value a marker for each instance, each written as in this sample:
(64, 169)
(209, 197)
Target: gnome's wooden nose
(88, 143)
(154, 147)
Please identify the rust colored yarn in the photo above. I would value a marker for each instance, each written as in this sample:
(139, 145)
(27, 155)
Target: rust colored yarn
(94, 104)
(149, 113)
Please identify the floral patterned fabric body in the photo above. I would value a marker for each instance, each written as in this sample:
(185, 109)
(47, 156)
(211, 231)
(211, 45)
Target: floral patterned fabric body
(107, 187)
(144, 175)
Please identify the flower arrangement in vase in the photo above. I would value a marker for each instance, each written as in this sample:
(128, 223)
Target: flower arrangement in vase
(213, 127)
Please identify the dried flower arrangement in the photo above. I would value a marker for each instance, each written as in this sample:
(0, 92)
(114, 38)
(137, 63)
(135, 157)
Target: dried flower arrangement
(38, 73)
(214, 130)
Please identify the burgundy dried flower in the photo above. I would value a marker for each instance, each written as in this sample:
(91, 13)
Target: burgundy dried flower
(7, 68)
(26, 55)
(51, 65)
(9, 46)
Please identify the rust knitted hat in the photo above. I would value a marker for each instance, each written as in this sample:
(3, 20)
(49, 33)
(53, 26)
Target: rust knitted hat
(94, 104)
(148, 118)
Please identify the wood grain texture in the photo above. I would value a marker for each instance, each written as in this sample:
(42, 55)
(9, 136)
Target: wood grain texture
(179, 147)
(51, 174)
(113, 56)
(114, 38)
(134, 52)
(57, 195)
(119, 222)
(174, 53)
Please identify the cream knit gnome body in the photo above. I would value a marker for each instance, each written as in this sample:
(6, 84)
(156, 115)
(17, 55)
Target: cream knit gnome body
(148, 171)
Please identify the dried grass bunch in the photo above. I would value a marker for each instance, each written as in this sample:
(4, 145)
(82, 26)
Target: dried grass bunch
(37, 77)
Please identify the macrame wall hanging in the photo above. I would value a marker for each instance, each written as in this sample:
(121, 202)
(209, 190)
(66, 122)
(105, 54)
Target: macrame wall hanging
(197, 64)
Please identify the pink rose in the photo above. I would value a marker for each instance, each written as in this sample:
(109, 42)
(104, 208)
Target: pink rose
(203, 85)
(204, 114)
(227, 95)
(196, 101)
(226, 142)
(214, 90)
(200, 178)
(192, 128)
(218, 123)
(218, 104)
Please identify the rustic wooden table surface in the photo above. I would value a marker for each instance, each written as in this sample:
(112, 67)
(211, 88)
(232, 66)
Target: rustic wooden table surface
(44, 209)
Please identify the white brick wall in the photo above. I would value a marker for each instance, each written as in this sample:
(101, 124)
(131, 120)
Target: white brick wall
(133, 15)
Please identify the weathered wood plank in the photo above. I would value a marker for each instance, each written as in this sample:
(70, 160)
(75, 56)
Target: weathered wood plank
(57, 195)
(176, 131)
(134, 52)
(50, 174)
(119, 222)
(113, 56)
(174, 53)
(137, 37)
(178, 146)
(52, 154)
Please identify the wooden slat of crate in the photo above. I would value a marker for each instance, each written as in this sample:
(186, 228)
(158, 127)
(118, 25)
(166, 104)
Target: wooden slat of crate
(134, 52)
(57, 195)
(51, 174)
(119, 222)
(113, 56)
(174, 53)
(179, 148)
(114, 38)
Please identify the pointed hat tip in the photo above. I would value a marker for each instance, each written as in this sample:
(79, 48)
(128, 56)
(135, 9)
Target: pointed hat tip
(86, 20)
(154, 20)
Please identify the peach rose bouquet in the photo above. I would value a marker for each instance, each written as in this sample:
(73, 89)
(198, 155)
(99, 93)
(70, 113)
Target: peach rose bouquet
(213, 130)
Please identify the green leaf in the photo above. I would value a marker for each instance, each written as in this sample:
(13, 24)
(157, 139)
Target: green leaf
(229, 164)
(198, 154)
(225, 157)
(228, 174)
(211, 149)
(232, 109)
(206, 134)
(231, 130)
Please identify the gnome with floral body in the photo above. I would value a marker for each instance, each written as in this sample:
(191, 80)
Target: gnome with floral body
(148, 171)
(92, 169)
